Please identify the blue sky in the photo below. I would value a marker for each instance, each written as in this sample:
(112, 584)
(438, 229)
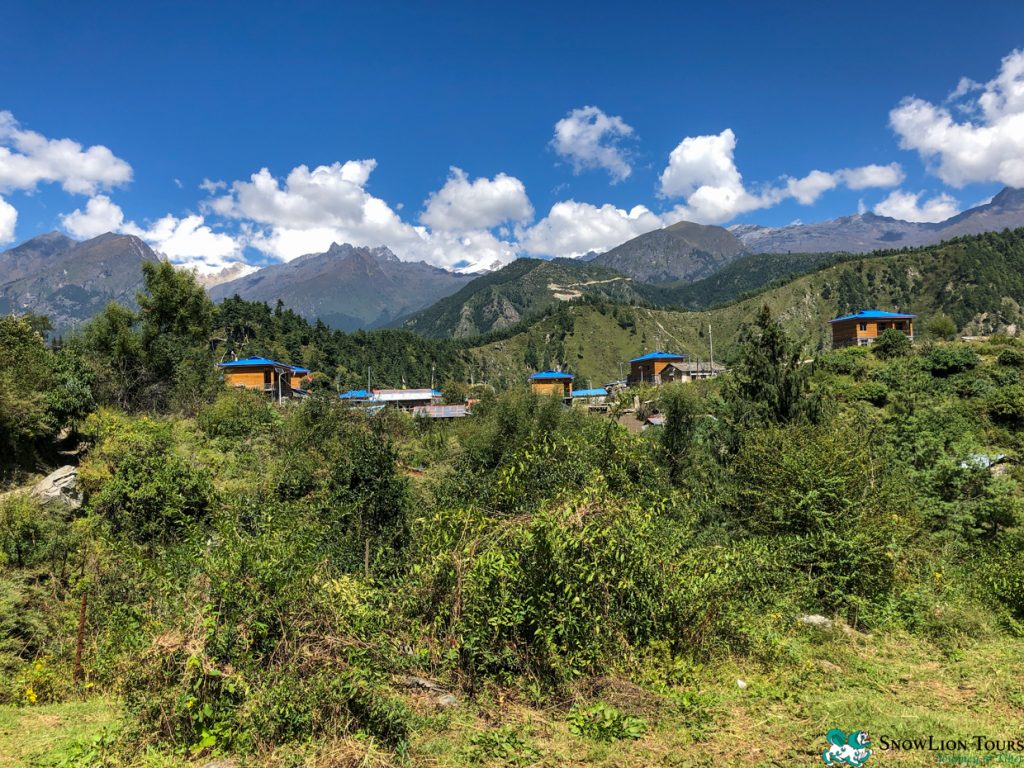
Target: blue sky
(431, 128)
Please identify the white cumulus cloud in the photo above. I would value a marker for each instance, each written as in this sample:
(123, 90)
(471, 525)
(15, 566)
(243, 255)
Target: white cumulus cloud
(572, 229)
(186, 242)
(189, 242)
(8, 220)
(311, 209)
(482, 203)
(588, 138)
(908, 206)
(101, 215)
(28, 158)
(702, 169)
(987, 145)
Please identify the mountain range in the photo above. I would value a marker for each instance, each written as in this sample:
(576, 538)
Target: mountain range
(866, 232)
(71, 281)
(347, 287)
(683, 265)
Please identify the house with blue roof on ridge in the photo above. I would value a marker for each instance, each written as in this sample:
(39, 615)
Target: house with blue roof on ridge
(552, 383)
(647, 369)
(260, 373)
(862, 328)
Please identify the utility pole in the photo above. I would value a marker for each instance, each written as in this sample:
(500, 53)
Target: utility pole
(368, 390)
(711, 344)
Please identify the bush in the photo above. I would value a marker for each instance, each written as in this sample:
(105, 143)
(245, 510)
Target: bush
(24, 531)
(1013, 358)
(891, 343)
(874, 392)
(1006, 405)
(239, 414)
(141, 485)
(947, 360)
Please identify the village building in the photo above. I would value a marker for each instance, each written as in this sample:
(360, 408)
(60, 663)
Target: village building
(647, 369)
(456, 411)
(406, 399)
(595, 400)
(259, 373)
(552, 383)
(862, 328)
(300, 377)
(690, 371)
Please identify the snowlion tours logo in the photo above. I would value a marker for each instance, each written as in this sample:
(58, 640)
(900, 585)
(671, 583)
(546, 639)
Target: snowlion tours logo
(846, 750)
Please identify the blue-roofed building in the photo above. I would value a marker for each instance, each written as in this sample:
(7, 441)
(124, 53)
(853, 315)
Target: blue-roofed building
(259, 373)
(552, 383)
(862, 328)
(593, 400)
(647, 369)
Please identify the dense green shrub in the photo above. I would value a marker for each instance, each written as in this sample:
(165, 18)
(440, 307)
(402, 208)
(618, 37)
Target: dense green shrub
(1011, 357)
(891, 343)
(139, 481)
(946, 360)
(239, 414)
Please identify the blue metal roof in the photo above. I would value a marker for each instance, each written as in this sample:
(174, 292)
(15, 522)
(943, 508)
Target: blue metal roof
(355, 394)
(252, 361)
(551, 375)
(598, 392)
(659, 356)
(873, 314)
(299, 369)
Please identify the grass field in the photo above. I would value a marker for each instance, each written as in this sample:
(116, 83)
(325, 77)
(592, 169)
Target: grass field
(893, 686)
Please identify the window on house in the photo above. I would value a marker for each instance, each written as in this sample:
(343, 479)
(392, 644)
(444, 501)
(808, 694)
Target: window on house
(863, 326)
(266, 377)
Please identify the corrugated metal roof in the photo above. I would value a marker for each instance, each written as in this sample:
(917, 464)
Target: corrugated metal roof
(299, 369)
(400, 395)
(355, 394)
(253, 362)
(598, 392)
(441, 411)
(873, 314)
(551, 375)
(659, 356)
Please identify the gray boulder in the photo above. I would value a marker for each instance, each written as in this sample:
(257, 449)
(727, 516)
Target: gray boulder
(59, 487)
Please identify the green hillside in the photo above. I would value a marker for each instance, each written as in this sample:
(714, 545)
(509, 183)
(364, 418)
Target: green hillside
(749, 274)
(518, 291)
(977, 281)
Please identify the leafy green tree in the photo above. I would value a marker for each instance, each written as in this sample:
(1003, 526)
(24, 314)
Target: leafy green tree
(891, 343)
(940, 326)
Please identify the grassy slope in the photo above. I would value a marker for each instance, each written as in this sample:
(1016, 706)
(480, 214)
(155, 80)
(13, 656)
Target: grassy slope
(980, 285)
(523, 288)
(897, 686)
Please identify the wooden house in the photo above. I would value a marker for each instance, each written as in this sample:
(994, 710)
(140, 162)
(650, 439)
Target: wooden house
(552, 383)
(259, 373)
(647, 369)
(300, 377)
(862, 328)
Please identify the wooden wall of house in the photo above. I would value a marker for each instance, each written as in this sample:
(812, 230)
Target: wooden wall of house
(249, 379)
(560, 388)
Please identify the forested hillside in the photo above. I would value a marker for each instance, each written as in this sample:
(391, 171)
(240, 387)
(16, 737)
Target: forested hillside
(975, 282)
